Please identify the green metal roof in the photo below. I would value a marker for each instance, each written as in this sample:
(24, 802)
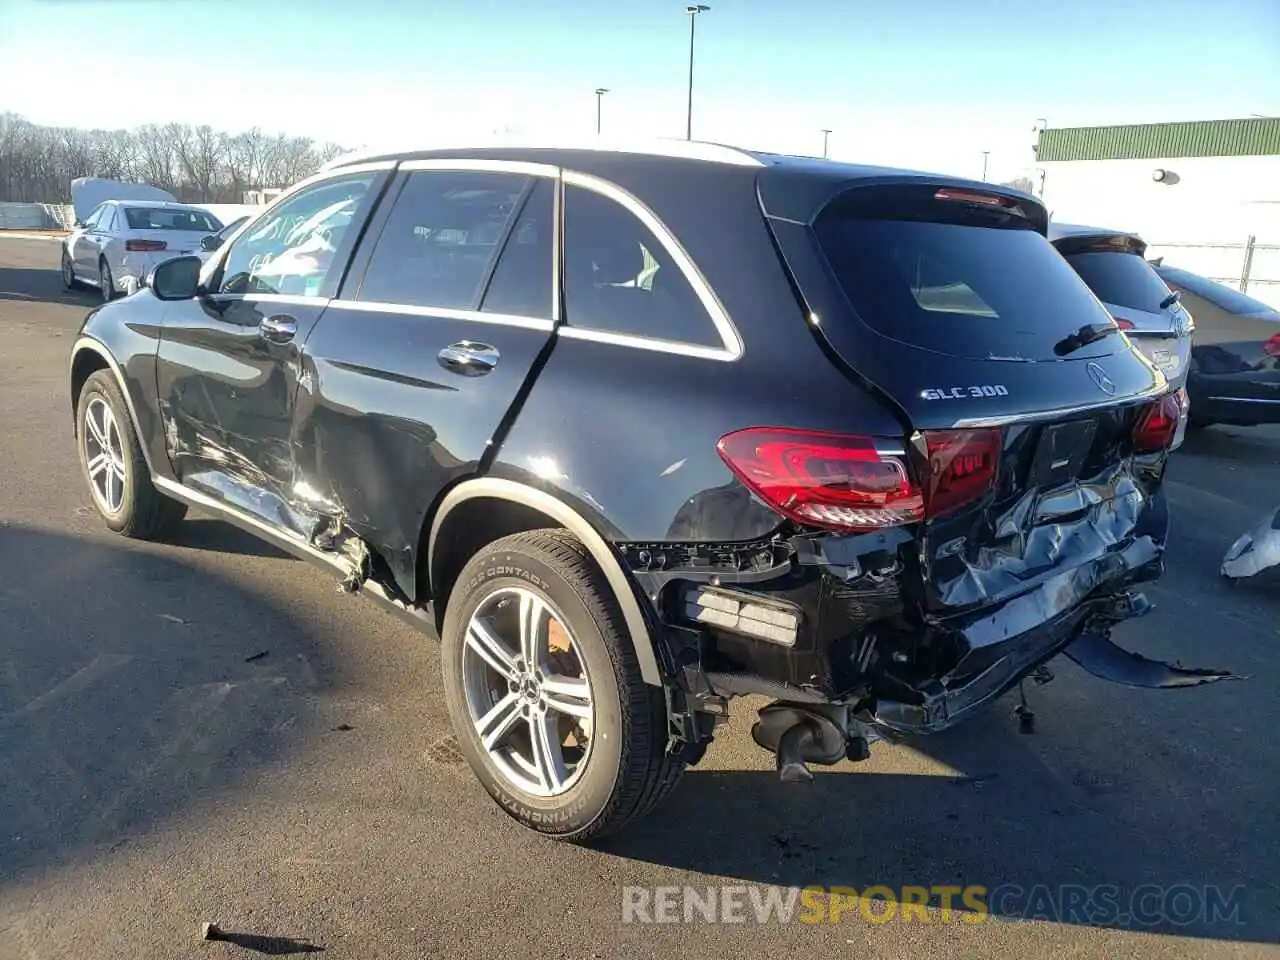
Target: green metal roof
(1253, 137)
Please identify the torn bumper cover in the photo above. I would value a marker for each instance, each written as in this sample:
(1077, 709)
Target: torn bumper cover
(1255, 551)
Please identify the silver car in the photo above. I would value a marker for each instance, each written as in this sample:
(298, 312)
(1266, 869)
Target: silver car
(117, 244)
(1112, 264)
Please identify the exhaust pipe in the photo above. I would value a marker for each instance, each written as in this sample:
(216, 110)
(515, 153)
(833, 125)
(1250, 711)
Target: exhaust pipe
(801, 734)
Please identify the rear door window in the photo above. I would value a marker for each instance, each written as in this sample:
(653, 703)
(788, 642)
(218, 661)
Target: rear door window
(441, 238)
(521, 281)
(1123, 279)
(956, 278)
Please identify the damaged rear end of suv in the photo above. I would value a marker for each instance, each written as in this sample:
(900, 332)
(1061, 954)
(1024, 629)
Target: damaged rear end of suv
(986, 496)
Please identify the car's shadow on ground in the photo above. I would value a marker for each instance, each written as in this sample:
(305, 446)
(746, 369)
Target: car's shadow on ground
(31, 285)
(124, 699)
(1072, 849)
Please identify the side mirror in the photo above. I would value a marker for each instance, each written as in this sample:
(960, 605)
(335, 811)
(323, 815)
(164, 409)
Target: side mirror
(210, 243)
(79, 224)
(176, 279)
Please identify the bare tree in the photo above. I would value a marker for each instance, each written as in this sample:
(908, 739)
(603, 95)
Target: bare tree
(37, 164)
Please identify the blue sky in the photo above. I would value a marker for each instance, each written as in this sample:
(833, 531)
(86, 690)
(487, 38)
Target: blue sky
(919, 82)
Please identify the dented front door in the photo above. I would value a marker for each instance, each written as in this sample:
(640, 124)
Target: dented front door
(228, 362)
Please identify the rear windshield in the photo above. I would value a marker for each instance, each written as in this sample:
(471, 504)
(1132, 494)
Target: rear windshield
(163, 218)
(958, 280)
(1122, 279)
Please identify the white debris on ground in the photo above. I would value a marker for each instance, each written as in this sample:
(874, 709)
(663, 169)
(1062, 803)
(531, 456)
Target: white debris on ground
(1255, 551)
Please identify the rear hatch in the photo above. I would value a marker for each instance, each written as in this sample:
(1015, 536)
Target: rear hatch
(1115, 269)
(1027, 416)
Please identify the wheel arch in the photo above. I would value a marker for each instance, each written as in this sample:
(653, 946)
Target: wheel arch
(88, 356)
(536, 508)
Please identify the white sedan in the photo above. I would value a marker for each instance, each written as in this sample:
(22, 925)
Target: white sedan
(117, 244)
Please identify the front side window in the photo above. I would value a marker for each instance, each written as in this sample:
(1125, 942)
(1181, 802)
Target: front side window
(91, 221)
(441, 237)
(298, 248)
(106, 222)
(620, 279)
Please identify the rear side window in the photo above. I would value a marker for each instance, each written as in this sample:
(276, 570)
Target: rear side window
(1123, 279)
(620, 279)
(441, 237)
(955, 278)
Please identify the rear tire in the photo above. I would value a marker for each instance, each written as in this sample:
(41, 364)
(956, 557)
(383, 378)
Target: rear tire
(119, 482)
(625, 768)
(106, 282)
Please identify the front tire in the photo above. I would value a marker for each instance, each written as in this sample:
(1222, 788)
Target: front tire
(68, 272)
(112, 462)
(544, 690)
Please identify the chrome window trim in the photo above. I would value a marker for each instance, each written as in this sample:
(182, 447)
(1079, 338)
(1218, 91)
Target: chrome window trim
(445, 313)
(646, 343)
(1245, 400)
(298, 300)
(732, 347)
(519, 167)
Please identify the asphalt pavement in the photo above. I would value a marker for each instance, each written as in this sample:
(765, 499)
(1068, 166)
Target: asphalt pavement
(207, 730)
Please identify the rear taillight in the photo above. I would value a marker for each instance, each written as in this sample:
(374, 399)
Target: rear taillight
(1272, 346)
(845, 482)
(1156, 425)
(1123, 324)
(144, 246)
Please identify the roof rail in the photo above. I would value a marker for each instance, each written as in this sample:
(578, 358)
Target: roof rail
(657, 147)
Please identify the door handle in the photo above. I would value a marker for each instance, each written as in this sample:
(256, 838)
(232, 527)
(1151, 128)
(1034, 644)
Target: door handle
(278, 329)
(469, 358)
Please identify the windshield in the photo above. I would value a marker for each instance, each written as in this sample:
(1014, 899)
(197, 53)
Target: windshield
(985, 292)
(170, 218)
(1122, 279)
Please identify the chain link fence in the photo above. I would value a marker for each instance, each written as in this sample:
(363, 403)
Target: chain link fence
(1250, 267)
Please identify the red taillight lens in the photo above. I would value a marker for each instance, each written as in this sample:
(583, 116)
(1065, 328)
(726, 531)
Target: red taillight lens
(144, 246)
(845, 483)
(1272, 346)
(823, 479)
(962, 466)
(1156, 425)
(1123, 324)
(972, 196)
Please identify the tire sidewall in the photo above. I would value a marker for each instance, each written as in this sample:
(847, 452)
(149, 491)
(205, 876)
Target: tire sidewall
(99, 386)
(589, 798)
(107, 282)
(68, 271)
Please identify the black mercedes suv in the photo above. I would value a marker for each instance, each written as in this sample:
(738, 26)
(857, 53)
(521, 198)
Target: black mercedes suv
(639, 431)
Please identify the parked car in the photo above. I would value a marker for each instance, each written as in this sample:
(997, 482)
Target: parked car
(121, 240)
(1234, 375)
(215, 240)
(637, 432)
(1113, 264)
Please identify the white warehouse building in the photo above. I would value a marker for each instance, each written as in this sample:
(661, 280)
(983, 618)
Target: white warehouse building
(1205, 194)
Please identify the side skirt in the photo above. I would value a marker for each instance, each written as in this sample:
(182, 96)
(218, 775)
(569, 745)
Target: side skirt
(421, 618)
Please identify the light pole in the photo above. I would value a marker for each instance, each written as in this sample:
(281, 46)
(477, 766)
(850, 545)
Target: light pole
(825, 134)
(692, 10)
(985, 154)
(600, 92)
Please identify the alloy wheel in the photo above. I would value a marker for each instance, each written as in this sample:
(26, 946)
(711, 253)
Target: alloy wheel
(68, 275)
(107, 282)
(527, 692)
(104, 456)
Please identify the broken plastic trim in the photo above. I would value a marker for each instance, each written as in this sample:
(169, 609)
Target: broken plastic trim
(1099, 656)
(1254, 551)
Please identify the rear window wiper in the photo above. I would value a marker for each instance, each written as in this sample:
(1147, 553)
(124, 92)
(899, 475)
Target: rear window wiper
(1170, 300)
(1089, 333)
